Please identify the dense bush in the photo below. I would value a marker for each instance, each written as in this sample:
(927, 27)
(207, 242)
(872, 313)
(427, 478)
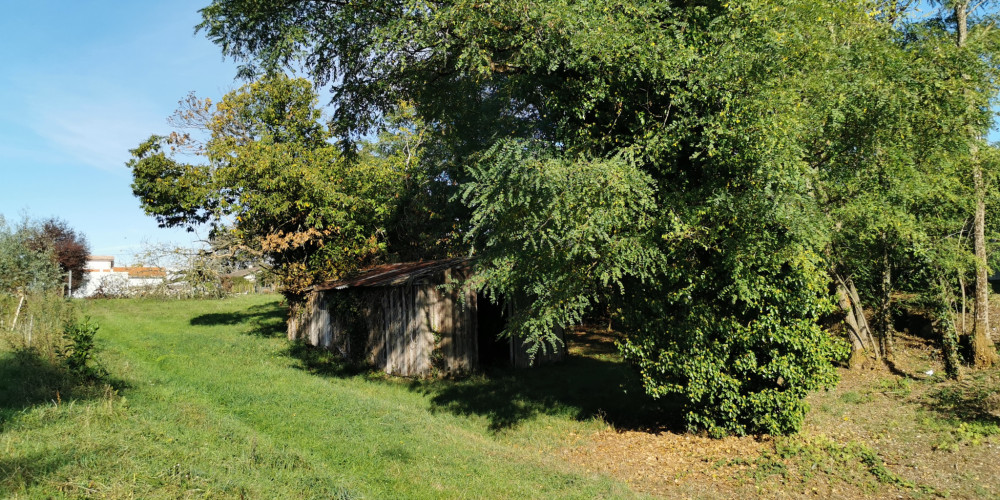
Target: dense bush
(740, 365)
(25, 266)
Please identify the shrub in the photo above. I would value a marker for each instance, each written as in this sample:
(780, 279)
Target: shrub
(79, 348)
(24, 268)
(48, 333)
(738, 366)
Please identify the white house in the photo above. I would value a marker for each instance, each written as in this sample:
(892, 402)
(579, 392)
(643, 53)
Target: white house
(103, 278)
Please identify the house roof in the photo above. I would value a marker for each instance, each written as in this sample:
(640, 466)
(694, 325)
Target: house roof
(142, 272)
(395, 274)
(101, 258)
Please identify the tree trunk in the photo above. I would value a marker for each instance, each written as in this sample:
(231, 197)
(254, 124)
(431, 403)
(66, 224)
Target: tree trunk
(883, 322)
(962, 22)
(949, 347)
(945, 314)
(853, 329)
(17, 313)
(961, 286)
(859, 332)
(984, 353)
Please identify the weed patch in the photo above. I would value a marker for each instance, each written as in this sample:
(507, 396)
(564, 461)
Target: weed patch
(850, 463)
(855, 398)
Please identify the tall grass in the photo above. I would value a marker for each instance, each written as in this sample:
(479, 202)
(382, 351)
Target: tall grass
(34, 322)
(39, 363)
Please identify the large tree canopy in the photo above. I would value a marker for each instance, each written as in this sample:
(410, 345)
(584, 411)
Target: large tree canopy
(271, 181)
(700, 167)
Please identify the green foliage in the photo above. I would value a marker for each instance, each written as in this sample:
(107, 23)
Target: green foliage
(553, 233)
(78, 353)
(698, 167)
(272, 182)
(25, 267)
(742, 366)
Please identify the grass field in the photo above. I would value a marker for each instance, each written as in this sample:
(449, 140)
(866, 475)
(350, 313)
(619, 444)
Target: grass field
(209, 400)
(206, 399)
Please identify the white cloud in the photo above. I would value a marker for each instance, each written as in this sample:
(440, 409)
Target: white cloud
(95, 129)
(91, 102)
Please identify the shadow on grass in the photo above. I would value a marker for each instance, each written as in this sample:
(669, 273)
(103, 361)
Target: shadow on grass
(592, 382)
(19, 473)
(28, 380)
(264, 320)
(589, 384)
(326, 363)
(975, 400)
(581, 387)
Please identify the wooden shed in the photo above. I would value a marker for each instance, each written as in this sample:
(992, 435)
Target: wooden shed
(409, 319)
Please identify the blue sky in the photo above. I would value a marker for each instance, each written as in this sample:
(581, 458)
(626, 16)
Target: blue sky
(80, 84)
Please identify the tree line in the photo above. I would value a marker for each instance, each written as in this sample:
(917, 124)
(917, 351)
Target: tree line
(723, 177)
(41, 256)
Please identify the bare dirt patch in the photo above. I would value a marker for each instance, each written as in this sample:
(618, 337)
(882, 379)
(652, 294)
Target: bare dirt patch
(669, 463)
(899, 432)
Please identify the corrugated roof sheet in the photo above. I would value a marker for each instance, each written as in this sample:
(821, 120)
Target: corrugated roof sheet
(395, 274)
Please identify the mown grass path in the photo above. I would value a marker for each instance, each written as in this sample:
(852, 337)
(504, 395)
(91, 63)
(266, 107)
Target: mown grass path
(210, 403)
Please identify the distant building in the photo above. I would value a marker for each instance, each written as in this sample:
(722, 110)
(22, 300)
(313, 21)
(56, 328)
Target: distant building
(103, 278)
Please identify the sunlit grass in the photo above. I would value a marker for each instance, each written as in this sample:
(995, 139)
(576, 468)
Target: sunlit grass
(208, 400)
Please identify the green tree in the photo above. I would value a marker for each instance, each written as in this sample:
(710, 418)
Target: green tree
(69, 248)
(26, 267)
(984, 352)
(271, 181)
(698, 166)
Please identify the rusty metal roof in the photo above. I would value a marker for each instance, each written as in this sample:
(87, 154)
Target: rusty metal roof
(395, 274)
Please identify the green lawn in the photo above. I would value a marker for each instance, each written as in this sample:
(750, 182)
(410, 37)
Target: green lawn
(211, 401)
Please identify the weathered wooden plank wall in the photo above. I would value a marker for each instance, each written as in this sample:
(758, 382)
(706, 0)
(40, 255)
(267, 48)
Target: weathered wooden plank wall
(452, 318)
(317, 323)
(409, 340)
(418, 328)
(415, 329)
